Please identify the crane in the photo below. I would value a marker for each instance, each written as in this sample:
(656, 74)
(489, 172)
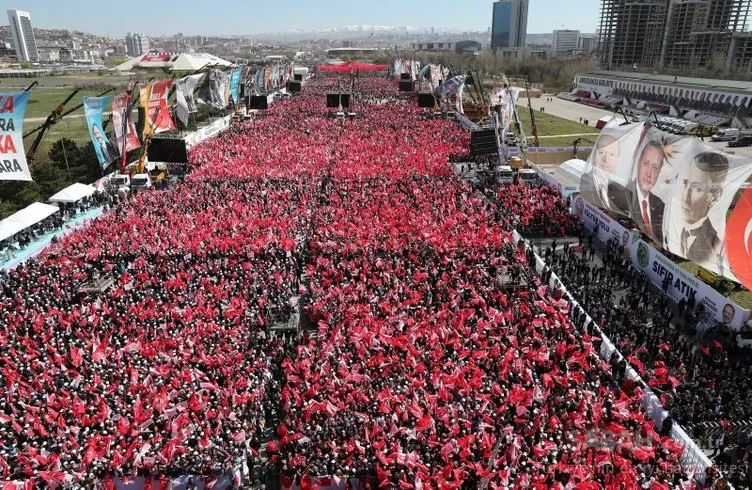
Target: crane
(532, 114)
(56, 115)
(522, 140)
(577, 142)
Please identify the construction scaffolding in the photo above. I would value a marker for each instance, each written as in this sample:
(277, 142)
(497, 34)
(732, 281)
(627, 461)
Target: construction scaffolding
(669, 33)
(713, 38)
(740, 53)
(631, 32)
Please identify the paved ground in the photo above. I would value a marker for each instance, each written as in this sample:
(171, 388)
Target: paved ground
(568, 110)
(574, 111)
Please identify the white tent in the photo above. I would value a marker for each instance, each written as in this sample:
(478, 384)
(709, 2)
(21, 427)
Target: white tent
(73, 193)
(25, 218)
(197, 61)
(173, 62)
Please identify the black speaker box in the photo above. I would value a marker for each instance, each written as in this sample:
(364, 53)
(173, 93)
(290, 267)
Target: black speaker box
(483, 142)
(334, 100)
(426, 100)
(259, 102)
(295, 87)
(406, 86)
(169, 150)
(298, 77)
(405, 76)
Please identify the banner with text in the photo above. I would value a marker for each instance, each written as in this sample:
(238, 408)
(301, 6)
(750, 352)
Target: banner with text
(121, 118)
(154, 99)
(103, 147)
(678, 192)
(13, 164)
(657, 266)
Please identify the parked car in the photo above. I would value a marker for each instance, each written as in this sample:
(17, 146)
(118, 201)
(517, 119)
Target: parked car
(741, 142)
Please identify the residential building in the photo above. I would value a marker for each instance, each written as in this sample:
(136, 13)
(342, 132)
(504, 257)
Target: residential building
(509, 25)
(587, 45)
(136, 44)
(23, 35)
(565, 42)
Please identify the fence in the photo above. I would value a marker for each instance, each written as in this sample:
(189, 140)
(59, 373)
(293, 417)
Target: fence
(693, 457)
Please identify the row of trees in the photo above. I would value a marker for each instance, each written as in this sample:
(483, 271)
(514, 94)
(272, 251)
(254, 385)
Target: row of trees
(556, 74)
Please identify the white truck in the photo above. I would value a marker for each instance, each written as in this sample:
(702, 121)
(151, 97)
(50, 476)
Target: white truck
(504, 174)
(527, 176)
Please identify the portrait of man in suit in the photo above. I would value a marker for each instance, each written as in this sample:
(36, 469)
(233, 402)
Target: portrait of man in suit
(637, 200)
(594, 185)
(702, 187)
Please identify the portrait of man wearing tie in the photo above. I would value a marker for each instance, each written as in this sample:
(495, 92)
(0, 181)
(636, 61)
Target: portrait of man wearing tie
(637, 199)
(594, 185)
(702, 187)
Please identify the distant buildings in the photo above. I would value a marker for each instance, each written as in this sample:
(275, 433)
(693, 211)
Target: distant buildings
(565, 42)
(670, 33)
(509, 24)
(457, 47)
(23, 36)
(136, 44)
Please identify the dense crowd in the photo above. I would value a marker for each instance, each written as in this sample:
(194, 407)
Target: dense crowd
(423, 371)
(701, 376)
(537, 211)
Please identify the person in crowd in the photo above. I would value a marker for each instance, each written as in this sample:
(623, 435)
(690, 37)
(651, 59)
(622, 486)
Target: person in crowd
(419, 367)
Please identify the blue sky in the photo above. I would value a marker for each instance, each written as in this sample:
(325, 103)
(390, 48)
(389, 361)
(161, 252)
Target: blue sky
(253, 16)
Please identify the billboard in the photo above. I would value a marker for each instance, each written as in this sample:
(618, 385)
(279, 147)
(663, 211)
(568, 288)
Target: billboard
(678, 192)
(103, 147)
(13, 164)
(154, 100)
(121, 105)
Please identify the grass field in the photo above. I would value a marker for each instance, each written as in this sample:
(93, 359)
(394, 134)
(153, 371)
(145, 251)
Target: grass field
(43, 100)
(549, 125)
(64, 81)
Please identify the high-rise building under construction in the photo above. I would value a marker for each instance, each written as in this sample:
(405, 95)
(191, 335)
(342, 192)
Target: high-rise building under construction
(668, 33)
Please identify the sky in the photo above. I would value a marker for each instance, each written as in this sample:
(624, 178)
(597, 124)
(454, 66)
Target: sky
(233, 17)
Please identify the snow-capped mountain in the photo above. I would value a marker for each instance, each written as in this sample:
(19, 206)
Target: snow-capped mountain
(358, 31)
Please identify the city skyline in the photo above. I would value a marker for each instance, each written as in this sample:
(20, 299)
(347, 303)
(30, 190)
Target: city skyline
(149, 17)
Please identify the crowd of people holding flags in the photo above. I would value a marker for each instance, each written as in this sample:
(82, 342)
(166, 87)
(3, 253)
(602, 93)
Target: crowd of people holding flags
(422, 371)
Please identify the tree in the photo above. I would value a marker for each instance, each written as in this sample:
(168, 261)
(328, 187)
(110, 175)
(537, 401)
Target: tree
(114, 61)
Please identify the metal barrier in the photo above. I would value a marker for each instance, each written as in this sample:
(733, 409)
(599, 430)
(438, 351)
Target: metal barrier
(693, 457)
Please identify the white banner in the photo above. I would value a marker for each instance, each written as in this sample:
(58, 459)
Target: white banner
(184, 97)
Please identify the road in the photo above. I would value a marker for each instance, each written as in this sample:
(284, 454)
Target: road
(574, 111)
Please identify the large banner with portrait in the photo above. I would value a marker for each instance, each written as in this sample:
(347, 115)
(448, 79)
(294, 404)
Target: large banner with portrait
(154, 99)
(103, 147)
(677, 191)
(122, 120)
(13, 164)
